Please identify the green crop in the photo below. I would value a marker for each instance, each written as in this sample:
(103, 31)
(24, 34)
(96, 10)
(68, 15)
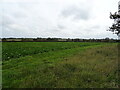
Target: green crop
(19, 49)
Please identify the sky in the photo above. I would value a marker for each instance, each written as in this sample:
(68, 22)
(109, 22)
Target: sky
(57, 18)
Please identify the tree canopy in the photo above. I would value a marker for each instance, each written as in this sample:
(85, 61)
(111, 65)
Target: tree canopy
(115, 28)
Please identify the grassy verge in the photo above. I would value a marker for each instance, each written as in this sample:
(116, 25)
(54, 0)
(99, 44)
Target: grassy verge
(70, 68)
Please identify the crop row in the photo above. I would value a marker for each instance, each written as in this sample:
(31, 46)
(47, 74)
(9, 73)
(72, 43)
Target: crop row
(20, 49)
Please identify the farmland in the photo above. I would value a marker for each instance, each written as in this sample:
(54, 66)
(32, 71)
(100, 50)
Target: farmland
(18, 49)
(59, 65)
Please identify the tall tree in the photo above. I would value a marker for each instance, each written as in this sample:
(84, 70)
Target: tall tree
(115, 28)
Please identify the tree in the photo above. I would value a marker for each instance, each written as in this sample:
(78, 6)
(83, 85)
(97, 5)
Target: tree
(115, 28)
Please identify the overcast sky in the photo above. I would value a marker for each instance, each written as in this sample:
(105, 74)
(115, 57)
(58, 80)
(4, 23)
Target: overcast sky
(57, 18)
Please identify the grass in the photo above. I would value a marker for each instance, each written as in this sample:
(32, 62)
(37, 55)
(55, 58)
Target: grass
(92, 65)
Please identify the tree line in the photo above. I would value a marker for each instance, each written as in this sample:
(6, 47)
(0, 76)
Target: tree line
(56, 40)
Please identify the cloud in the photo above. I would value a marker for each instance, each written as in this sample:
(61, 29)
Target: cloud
(57, 18)
(76, 13)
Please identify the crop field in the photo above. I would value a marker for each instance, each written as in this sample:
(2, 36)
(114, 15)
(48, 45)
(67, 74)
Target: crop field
(59, 65)
(18, 49)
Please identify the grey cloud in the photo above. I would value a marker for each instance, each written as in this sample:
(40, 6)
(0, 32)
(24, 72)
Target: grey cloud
(6, 20)
(56, 29)
(54, 19)
(11, 27)
(95, 27)
(76, 13)
(60, 26)
(19, 15)
(53, 30)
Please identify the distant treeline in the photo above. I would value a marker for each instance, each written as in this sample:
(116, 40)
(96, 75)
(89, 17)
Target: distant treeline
(56, 40)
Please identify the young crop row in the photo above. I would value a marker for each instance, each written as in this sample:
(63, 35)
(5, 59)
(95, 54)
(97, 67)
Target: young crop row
(20, 49)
